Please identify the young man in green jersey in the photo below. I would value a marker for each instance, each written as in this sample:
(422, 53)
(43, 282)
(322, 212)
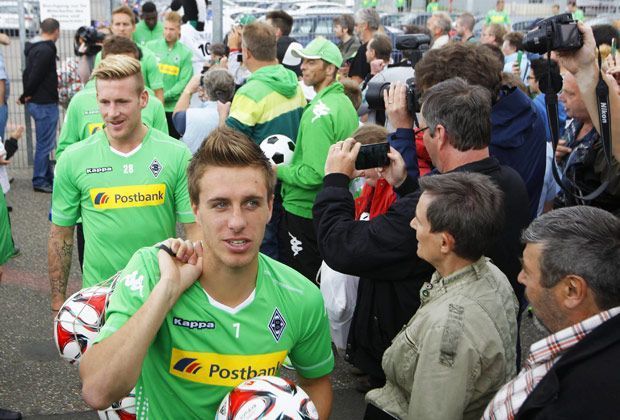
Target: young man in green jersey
(82, 118)
(124, 24)
(174, 61)
(148, 29)
(328, 118)
(498, 15)
(127, 182)
(185, 330)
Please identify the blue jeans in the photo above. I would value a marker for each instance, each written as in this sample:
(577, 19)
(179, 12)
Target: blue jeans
(4, 116)
(45, 120)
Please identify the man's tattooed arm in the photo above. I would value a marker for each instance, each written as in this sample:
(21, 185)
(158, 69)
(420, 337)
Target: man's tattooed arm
(59, 250)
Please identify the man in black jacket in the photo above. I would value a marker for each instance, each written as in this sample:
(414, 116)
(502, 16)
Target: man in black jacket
(570, 272)
(41, 99)
(382, 251)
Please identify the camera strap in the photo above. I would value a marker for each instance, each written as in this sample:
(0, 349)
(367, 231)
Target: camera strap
(551, 88)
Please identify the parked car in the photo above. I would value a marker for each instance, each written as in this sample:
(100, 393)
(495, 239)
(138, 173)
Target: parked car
(9, 18)
(308, 26)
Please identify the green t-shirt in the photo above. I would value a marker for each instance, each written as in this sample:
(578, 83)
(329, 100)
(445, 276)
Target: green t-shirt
(150, 72)
(175, 66)
(82, 118)
(327, 119)
(501, 18)
(203, 349)
(143, 34)
(432, 7)
(6, 239)
(126, 201)
(578, 15)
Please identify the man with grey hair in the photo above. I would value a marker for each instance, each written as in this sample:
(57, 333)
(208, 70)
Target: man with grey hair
(367, 22)
(467, 297)
(439, 24)
(195, 123)
(382, 251)
(570, 271)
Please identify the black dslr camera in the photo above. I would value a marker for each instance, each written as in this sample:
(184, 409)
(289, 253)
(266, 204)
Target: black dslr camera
(413, 46)
(557, 33)
(89, 36)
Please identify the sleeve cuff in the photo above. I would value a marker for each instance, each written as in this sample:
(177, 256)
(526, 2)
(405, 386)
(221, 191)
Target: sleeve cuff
(401, 134)
(336, 180)
(408, 186)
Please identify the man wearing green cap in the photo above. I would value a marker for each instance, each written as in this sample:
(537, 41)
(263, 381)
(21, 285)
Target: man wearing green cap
(327, 119)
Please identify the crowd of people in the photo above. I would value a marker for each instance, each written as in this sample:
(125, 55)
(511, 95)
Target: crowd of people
(495, 203)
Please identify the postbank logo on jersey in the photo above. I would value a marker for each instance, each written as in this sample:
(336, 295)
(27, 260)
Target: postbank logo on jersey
(128, 196)
(168, 69)
(94, 127)
(223, 369)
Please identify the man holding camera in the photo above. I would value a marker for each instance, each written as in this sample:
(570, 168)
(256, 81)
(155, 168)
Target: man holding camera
(383, 249)
(328, 118)
(582, 157)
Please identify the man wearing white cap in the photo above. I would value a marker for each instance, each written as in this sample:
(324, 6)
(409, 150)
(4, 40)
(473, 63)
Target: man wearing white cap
(328, 118)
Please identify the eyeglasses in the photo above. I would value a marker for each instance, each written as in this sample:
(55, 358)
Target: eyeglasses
(419, 130)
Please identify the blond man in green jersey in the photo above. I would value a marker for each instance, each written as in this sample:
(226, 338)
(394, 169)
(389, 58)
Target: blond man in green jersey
(127, 182)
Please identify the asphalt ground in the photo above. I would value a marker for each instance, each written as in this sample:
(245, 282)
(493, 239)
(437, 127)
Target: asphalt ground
(33, 378)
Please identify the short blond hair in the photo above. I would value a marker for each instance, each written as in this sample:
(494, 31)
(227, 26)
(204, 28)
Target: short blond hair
(117, 67)
(173, 17)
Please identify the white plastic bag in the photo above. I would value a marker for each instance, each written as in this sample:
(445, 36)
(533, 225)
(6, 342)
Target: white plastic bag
(340, 295)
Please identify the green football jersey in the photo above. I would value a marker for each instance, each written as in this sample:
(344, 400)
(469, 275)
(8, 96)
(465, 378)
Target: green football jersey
(143, 34)
(148, 64)
(203, 349)
(82, 118)
(126, 201)
(175, 66)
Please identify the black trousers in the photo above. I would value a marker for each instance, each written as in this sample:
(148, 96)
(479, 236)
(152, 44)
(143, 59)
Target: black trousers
(298, 246)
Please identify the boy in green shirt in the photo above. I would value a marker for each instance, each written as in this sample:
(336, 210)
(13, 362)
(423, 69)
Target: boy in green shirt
(174, 61)
(148, 29)
(189, 321)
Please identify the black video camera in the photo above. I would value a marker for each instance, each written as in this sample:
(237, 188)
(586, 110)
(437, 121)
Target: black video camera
(412, 46)
(557, 33)
(91, 37)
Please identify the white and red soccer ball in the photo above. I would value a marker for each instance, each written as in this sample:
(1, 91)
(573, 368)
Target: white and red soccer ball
(278, 148)
(79, 320)
(267, 398)
(125, 409)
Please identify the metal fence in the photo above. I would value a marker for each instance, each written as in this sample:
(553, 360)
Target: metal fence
(13, 58)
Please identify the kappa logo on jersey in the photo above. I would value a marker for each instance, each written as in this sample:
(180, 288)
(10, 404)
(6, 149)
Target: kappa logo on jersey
(101, 170)
(223, 369)
(94, 127)
(193, 325)
(319, 110)
(156, 168)
(168, 69)
(128, 196)
(277, 324)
